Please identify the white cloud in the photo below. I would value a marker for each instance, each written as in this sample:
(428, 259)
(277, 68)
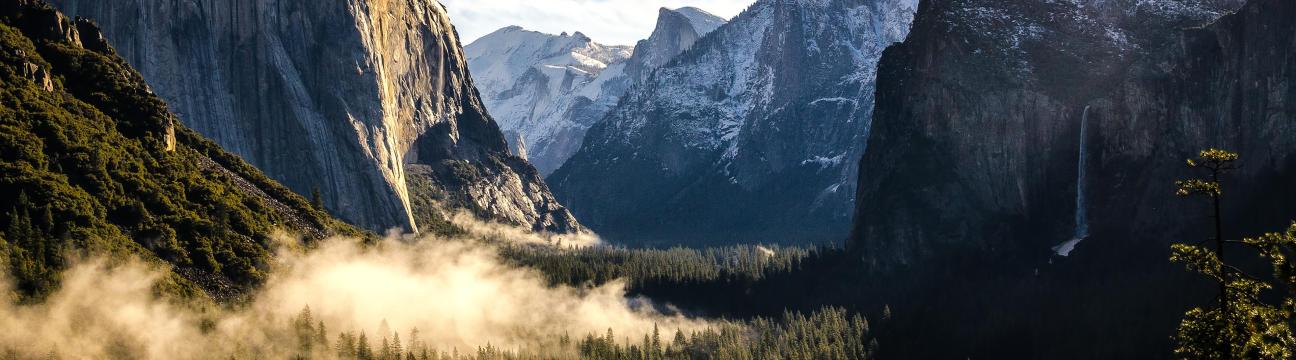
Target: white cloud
(618, 22)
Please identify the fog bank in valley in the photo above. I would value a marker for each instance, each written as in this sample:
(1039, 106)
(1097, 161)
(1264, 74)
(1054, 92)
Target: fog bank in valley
(457, 293)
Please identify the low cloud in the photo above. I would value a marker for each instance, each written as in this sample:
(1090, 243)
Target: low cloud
(456, 292)
(503, 233)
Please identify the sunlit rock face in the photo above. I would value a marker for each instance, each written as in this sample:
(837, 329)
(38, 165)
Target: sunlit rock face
(977, 136)
(547, 90)
(543, 88)
(747, 136)
(340, 96)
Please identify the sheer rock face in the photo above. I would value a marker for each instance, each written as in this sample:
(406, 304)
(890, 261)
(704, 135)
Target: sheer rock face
(547, 90)
(974, 147)
(744, 136)
(336, 95)
(676, 30)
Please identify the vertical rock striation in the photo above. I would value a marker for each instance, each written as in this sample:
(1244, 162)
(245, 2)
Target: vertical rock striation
(744, 137)
(340, 96)
(979, 113)
(973, 175)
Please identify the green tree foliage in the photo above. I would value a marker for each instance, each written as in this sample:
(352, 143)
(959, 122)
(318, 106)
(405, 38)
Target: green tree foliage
(317, 200)
(1241, 325)
(90, 166)
(427, 201)
(829, 333)
(601, 264)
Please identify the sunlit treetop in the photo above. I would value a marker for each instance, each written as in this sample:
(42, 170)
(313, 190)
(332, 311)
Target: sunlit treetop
(1217, 162)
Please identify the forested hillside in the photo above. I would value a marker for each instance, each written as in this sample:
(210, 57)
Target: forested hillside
(93, 162)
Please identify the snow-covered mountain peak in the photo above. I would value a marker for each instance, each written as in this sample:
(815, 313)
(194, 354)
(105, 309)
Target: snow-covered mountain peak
(546, 90)
(510, 53)
(769, 106)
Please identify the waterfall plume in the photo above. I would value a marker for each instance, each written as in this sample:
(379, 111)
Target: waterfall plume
(1081, 214)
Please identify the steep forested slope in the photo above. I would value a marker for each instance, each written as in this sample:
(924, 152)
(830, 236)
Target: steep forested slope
(91, 161)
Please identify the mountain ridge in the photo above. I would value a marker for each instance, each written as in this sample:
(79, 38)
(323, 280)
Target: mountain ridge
(742, 137)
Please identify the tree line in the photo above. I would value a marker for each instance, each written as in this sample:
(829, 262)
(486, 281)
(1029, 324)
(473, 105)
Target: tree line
(601, 264)
(828, 333)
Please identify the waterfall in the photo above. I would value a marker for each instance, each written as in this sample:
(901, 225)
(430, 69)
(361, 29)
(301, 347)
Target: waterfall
(1081, 214)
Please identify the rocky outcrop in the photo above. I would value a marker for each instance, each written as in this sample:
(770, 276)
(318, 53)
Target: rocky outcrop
(676, 30)
(547, 90)
(979, 116)
(340, 96)
(37, 74)
(744, 137)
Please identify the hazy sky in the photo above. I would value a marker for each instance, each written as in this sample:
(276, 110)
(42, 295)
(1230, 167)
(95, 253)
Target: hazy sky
(613, 22)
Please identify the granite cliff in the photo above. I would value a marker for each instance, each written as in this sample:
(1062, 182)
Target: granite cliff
(1002, 132)
(1021, 168)
(352, 98)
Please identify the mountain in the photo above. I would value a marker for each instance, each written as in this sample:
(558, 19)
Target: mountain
(676, 31)
(743, 137)
(542, 87)
(356, 98)
(547, 90)
(1021, 168)
(1001, 129)
(93, 162)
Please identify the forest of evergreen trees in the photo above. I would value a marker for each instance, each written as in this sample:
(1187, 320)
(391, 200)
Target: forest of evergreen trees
(829, 333)
(641, 266)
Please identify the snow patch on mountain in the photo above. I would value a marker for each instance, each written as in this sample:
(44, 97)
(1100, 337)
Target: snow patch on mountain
(703, 22)
(546, 90)
(745, 112)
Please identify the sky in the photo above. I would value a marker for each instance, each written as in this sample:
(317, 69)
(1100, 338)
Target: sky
(610, 22)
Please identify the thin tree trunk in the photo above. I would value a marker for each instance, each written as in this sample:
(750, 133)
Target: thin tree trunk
(1219, 251)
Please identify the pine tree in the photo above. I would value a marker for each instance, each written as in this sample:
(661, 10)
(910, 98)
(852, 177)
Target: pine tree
(656, 342)
(317, 200)
(1240, 325)
(414, 343)
(346, 346)
(304, 326)
(384, 352)
(4, 254)
(363, 352)
(1280, 249)
(321, 336)
(396, 349)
